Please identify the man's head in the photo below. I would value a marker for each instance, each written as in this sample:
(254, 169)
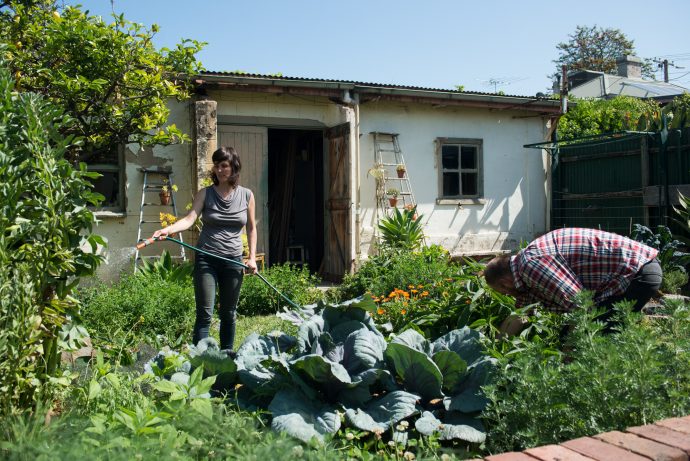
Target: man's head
(499, 276)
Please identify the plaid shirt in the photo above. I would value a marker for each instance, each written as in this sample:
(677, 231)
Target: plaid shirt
(555, 267)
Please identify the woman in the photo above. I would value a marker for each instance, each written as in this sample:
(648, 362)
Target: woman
(225, 208)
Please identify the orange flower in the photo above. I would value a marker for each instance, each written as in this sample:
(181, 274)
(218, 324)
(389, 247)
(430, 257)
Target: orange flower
(420, 286)
(385, 300)
(380, 311)
(392, 294)
(403, 312)
(413, 291)
(410, 286)
(406, 294)
(425, 293)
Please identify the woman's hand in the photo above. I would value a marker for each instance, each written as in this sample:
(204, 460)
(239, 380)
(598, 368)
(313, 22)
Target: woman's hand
(251, 266)
(161, 233)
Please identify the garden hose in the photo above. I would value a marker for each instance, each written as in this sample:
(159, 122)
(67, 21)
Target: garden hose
(149, 241)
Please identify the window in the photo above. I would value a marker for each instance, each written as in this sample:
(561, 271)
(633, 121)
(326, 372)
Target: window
(460, 168)
(110, 164)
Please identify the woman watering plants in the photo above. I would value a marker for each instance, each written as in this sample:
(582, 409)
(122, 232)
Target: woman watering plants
(225, 208)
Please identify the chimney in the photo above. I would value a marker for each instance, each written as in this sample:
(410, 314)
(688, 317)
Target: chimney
(629, 66)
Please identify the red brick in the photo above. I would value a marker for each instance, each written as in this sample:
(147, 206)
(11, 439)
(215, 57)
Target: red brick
(510, 456)
(644, 447)
(677, 424)
(556, 453)
(664, 435)
(601, 451)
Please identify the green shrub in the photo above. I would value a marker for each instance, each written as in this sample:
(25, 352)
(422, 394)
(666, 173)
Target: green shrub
(139, 307)
(631, 377)
(297, 284)
(402, 229)
(673, 281)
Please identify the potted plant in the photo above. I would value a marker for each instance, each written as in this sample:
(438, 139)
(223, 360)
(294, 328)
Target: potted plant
(392, 194)
(400, 169)
(164, 194)
(379, 174)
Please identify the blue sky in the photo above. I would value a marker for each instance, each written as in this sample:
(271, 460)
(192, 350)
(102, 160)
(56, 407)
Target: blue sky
(483, 45)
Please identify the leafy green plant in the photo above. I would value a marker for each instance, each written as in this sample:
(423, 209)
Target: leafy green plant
(402, 229)
(297, 283)
(340, 362)
(670, 255)
(634, 376)
(137, 309)
(46, 243)
(673, 281)
(166, 269)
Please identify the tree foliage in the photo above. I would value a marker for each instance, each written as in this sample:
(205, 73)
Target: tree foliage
(591, 117)
(596, 48)
(109, 78)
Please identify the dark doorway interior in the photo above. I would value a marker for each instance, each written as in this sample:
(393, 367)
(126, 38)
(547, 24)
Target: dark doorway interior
(295, 197)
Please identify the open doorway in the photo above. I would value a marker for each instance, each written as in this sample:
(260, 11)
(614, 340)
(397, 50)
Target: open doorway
(296, 197)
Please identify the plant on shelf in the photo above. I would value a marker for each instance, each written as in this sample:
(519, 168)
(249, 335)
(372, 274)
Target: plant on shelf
(164, 194)
(401, 169)
(392, 194)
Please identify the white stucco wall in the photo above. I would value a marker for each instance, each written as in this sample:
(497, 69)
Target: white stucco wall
(121, 230)
(514, 179)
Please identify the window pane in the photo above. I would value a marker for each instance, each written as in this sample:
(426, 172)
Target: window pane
(449, 157)
(468, 157)
(469, 184)
(451, 185)
(108, 185)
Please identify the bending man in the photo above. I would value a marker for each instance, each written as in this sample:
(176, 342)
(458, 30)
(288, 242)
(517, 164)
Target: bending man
(555, 267)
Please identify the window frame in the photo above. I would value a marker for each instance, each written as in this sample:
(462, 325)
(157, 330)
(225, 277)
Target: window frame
(477, 198)
(120, 207)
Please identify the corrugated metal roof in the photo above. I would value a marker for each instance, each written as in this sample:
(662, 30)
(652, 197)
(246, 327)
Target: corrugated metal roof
(656, 88)
(358, 83)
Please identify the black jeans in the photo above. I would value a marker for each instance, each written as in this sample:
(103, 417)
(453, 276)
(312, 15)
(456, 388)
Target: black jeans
(644, 285)
(209, 272)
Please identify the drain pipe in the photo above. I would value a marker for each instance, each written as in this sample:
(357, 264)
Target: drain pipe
(354, 101)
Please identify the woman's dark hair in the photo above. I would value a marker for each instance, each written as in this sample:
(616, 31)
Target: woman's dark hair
(496, 269)
(230, 154)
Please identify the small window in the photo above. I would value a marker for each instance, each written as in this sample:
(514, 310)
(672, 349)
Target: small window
(460, 168)
(110, 165)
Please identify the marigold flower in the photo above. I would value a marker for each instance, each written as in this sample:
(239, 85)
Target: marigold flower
(403, 312)
(380, 311)
(420, 286)
(392, 294)
(425, 293)
(406, 294)
(385, 300)
(413, 291)
(410, 286)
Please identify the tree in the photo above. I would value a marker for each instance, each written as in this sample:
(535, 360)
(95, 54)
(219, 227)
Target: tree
(596, 48)
(109, 78)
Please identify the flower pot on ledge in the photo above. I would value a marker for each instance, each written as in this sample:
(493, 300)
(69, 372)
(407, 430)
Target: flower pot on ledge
(165, 197)
(393, 201)
(401, 173)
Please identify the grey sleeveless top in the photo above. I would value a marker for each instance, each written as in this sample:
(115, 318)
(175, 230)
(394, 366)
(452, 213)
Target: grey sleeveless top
(223, 220)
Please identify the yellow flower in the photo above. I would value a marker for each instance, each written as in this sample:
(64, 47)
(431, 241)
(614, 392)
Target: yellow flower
(392, 294)
(420, 286)
(413, 291)
(410, 286)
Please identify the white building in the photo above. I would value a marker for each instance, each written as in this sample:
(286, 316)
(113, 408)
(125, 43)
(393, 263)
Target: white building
(306, 147)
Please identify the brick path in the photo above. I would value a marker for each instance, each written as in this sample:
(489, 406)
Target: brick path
(666, 440)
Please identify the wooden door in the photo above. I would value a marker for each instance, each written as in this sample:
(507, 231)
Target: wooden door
(251, 143)
(338, 254)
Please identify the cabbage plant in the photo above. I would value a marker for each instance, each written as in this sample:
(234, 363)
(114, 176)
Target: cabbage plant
(339, 370)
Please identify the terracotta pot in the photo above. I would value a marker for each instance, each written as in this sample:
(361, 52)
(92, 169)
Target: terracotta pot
(401, 173)
(393, 201)
(165, 198)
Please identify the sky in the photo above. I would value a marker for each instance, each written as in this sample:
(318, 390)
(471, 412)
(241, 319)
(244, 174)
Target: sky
(483, 45)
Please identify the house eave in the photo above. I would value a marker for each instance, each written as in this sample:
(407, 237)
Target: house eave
(369, 93)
